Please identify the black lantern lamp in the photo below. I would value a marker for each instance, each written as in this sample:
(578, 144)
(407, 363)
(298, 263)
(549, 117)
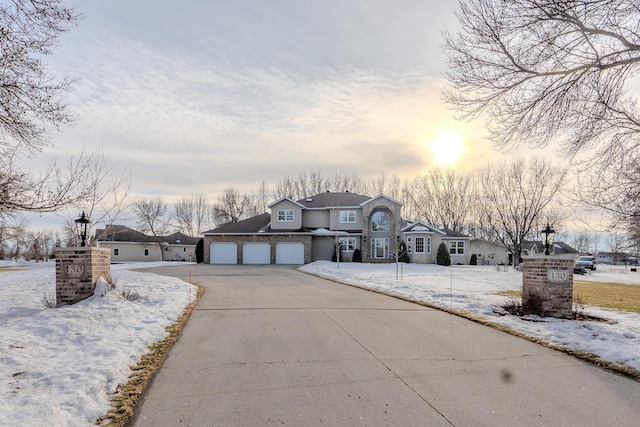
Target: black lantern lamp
(548, 239)
(81, 227)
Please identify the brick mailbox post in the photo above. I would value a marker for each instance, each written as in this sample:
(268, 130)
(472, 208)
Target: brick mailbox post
(78, 270)
(551, 279)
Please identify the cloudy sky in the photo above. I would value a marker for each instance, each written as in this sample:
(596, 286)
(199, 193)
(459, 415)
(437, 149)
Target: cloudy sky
(197, 96)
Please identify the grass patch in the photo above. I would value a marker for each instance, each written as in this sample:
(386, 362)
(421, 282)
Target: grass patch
(615, 296)
(123, 403)
(7, 269)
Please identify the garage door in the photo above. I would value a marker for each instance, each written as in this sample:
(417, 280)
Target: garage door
(256, 253)
(224, 253)
(289, 253)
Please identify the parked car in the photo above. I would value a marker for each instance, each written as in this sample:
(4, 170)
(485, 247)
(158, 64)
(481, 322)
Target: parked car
(586, 262)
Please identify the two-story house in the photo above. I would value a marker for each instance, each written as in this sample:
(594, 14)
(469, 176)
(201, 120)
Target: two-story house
(311, 229)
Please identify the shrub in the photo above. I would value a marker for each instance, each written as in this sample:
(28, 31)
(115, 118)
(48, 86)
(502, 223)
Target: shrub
(473, 260)
(200, 251)
(357, 256)
(443, 257)
(532, 304)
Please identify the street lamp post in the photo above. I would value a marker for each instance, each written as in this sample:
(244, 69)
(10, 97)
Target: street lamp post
(547, 241)
(81, 227)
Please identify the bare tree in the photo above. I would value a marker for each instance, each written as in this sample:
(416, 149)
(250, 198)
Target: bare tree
(514, 196)
(30, 97)
(554, 71)
(107, 198)
(30, 101)
(260, 198)
(231, 207)
(582, 241)
(385, 184)
(190, 214)
(305, 185)
(151, 213)
(444, 198)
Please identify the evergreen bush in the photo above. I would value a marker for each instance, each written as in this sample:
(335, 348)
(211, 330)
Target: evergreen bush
(473, 260)
(200, 251)
(443, 257)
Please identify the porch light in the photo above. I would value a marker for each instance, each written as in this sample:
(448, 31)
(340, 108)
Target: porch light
(81, 227)
(548, 238)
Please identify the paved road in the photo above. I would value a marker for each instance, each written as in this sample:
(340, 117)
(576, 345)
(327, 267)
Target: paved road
(268, 345)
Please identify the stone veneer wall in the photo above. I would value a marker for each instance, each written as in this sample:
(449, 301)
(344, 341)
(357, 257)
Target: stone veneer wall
(78, 270)
(272, 239)
(394, 228)
(550, 277)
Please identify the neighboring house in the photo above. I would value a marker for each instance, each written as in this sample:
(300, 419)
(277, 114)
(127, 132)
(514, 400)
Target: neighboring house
(612, 258)
(128, 245)
(310, 229)
(557, 248)
(489, 253)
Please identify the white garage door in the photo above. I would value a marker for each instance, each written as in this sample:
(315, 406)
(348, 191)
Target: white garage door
(289, 253)
(224, 253)
(256, 253)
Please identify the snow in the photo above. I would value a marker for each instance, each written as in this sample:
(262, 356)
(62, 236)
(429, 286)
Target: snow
(474, 289)
(60, 366)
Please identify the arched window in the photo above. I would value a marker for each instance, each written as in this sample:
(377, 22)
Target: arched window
(380, 221)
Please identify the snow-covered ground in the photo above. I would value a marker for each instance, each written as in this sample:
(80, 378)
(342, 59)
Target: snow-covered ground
(473, 289)
(60, 366)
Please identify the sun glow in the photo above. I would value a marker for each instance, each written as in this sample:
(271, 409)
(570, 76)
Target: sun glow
(447, 147)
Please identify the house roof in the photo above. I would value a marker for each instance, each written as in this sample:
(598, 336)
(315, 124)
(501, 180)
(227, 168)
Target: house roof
(382, 196)
(272, 204)
(452, 234)
(180, 239)
(254, 224)
(559, 247)
(325, 200)
(420, 226)
(122, 233)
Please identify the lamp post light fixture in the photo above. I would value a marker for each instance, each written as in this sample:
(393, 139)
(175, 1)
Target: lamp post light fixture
(81, 227)
(547, 241)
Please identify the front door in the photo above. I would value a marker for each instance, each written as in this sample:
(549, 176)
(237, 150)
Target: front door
(379, 248)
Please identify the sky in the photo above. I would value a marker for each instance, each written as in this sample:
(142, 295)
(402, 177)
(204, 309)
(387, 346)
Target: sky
(196, 97)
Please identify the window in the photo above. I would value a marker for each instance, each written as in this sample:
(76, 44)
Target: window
(419, 245)
(184, 249)
(409, 245)
(285, 215)
(115, 252)
(347, 244)
(146, 252)
(456, 248)
(428, 245)
(347, 216)
(380, 221)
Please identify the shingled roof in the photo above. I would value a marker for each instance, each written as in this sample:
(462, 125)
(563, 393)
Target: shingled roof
(254, 224)
(122, 233)
(324, 200)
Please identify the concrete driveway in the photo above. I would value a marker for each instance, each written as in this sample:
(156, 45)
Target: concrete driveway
(268, 345)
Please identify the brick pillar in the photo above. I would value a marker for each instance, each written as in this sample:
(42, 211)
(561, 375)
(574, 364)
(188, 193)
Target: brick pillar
(551, 278)
(78, 270)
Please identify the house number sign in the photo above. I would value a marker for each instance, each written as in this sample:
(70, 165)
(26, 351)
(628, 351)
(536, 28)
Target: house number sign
(75, 270)
(558, 276)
